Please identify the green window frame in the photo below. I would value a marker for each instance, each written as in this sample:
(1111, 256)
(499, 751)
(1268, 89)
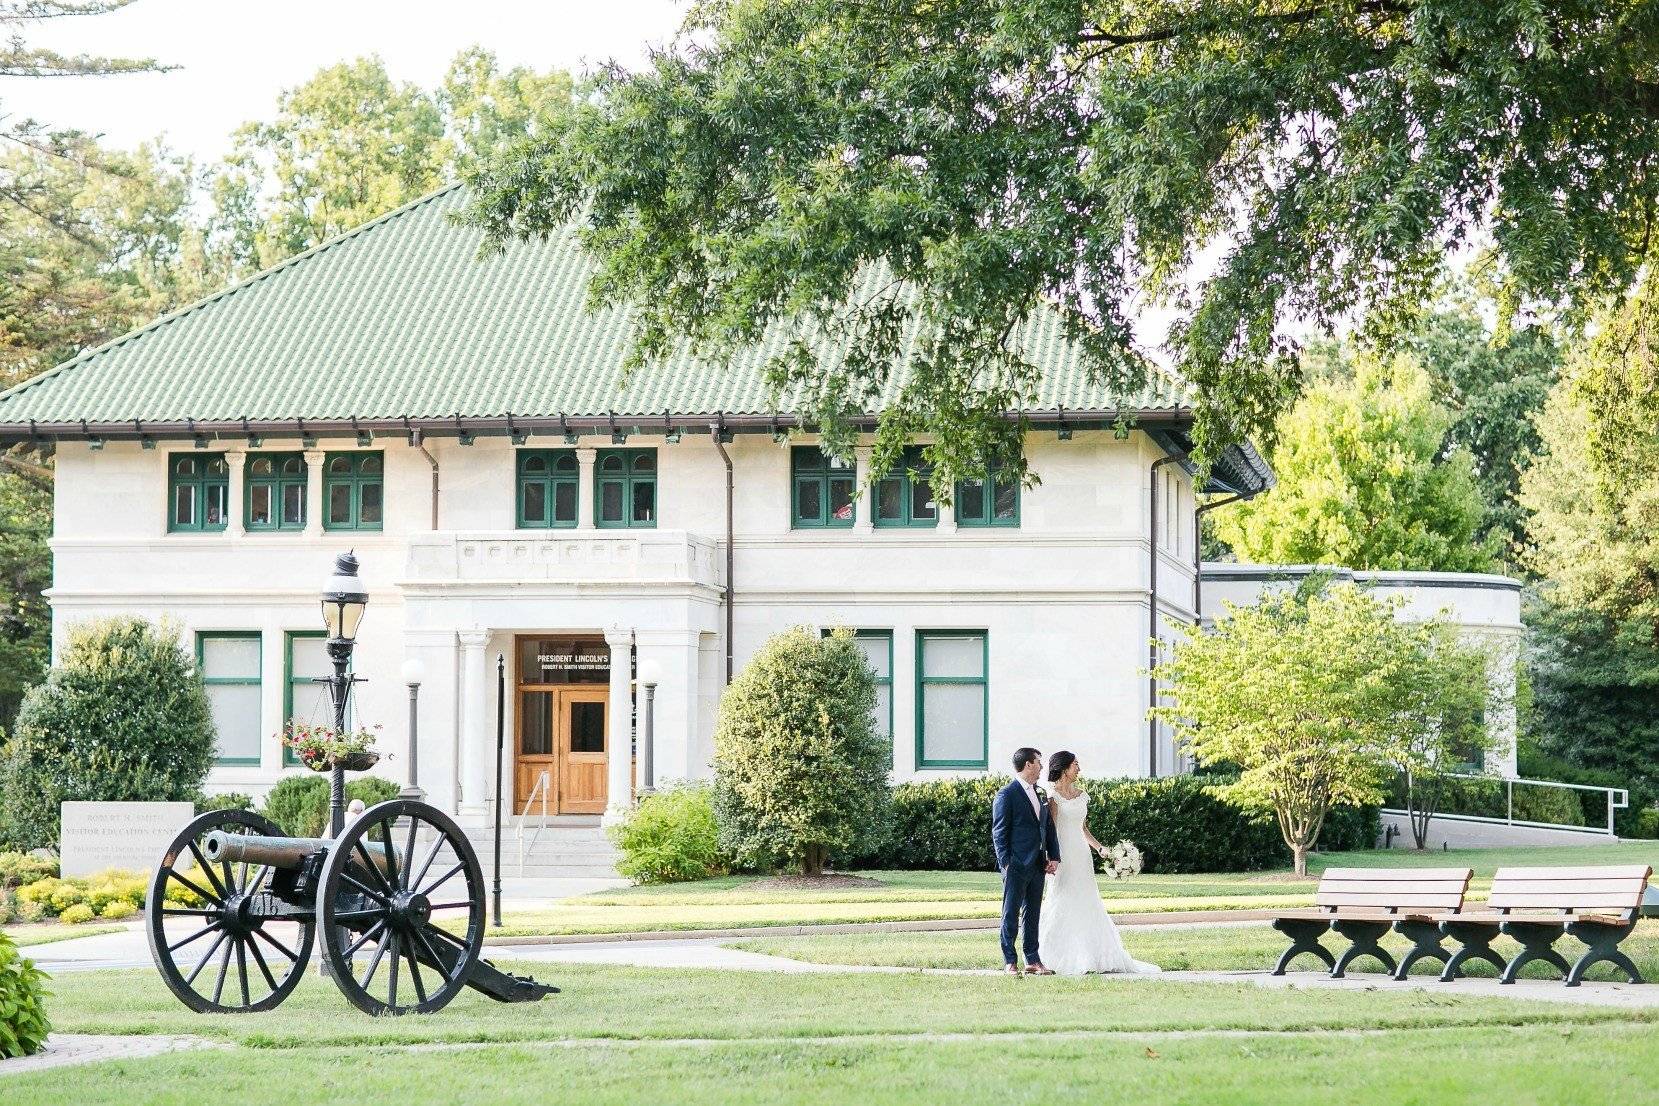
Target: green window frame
(274, 498)
(354, 491)
(944, 680)
(299, 688)
(625, 489)
(988, 502)
(547, 489)
(214, 680)
(821, 490)
(884, 683)
(198, 492)
(904, 498)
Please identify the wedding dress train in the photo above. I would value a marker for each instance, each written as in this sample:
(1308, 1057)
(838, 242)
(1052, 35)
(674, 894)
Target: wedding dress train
(1075, 933)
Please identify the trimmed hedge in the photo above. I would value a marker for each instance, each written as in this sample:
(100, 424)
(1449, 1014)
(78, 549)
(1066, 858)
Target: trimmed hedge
(299, 803)
(1179, 823)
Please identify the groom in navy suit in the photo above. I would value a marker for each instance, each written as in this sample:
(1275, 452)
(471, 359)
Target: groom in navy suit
(1022, 833)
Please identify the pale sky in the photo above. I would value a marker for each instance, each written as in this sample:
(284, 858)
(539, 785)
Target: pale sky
(237, 55)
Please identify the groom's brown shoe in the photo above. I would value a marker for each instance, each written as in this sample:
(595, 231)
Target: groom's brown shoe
(1012, 969)
(1037, 969)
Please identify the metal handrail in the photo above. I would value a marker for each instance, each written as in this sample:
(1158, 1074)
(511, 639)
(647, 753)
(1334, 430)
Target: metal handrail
(1618, 798)
(542, 788)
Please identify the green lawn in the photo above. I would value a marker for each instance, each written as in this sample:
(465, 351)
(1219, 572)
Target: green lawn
(747, 901)
(639, 1035)
(1217, 948)
(47, 932)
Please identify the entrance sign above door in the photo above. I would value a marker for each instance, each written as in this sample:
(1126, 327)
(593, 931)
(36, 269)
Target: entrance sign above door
(563, 660)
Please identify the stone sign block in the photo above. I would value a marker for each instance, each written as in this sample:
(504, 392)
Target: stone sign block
(118, 835)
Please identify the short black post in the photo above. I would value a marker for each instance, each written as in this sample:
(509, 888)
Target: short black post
(500, 730)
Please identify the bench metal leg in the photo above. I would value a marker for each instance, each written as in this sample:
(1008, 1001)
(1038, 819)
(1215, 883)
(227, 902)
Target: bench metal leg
(1537, 943)
(1364, 936)
(1304, 934)
(1425, 945)
(1604, 947)
(1475, 940)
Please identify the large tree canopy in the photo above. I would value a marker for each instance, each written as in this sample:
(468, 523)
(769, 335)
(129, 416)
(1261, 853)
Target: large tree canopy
(991, 154)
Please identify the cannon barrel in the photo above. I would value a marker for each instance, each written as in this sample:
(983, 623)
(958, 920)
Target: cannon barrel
(278, 852)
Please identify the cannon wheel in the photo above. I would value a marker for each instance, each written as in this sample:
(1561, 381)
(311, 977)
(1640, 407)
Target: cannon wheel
(244, 966)
(383, 912)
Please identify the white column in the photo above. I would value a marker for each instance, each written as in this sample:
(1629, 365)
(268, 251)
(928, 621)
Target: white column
(236, 460)
(864, 515)
(314, 505)
(584, 488)
(475, 752)
(678, 753)
(619, 741)
(439, 700)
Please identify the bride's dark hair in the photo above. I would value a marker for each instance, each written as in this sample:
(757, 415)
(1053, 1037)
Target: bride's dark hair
(1058, 765)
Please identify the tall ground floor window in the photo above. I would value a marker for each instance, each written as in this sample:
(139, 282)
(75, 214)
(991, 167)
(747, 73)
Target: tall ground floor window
(952, 698)
(305, 658)
(229, 663)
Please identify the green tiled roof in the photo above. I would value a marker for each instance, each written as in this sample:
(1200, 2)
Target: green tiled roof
(399, 320)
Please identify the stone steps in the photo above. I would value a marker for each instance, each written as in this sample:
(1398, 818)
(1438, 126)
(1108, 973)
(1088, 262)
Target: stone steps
(565, 848)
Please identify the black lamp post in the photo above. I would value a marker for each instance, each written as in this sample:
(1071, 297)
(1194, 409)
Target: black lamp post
(344, 598)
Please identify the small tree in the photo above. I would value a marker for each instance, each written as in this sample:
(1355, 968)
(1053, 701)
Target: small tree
(122, 717)
(1308, 694)
(800, 771)
(1446, 699)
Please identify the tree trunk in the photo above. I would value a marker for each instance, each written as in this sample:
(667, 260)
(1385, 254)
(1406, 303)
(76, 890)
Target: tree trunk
(1300, 853)
(812, 863)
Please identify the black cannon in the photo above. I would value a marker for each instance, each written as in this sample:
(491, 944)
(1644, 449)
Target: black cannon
(257, 899)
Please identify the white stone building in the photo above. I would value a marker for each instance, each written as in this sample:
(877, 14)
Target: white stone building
(465, 427)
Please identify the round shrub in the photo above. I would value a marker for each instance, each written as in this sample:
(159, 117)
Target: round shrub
(670, 837)
(800, 772)
(23, 1024)
(299, 802)
(123, 716)
(230, 800)
(118, 909)
(76, 914)
(20, 868)
(30, 912)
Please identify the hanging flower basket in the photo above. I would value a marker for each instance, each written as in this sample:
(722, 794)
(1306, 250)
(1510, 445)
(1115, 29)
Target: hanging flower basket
(320, 748)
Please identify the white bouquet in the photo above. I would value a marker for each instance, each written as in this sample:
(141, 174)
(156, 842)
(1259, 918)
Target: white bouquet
(1121, 860)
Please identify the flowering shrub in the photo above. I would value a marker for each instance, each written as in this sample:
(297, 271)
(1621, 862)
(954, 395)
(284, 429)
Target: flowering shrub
(54, 897)
(76, 914)
(317, 747)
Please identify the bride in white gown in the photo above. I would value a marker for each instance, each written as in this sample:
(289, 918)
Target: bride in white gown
(1075, 933)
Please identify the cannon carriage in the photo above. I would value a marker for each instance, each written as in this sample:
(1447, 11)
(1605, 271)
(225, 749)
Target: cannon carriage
(256, 902)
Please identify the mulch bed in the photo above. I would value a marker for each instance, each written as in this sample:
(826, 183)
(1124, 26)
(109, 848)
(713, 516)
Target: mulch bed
(829, 881)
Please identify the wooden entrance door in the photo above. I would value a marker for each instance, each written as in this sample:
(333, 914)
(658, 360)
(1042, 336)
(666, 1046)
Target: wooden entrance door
(583, 734)
(563, 734)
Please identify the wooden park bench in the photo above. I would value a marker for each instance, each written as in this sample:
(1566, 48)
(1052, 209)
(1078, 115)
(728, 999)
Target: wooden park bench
(1597, 905)
(1364, 904)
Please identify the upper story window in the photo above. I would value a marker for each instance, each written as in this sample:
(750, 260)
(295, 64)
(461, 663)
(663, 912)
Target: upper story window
(198, 486)
(904, 496)
(625, 483)
(353, 489)
(823, 489)
(276, 491)
(547, 481)
(988, 502)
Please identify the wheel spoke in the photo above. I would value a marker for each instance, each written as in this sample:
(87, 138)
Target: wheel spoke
(202, 963)
(441, 932)
(443, 879)
(362, 849)
(189, 912)
(365, 888)
(207, 870)
(224, 967)
(374, 961)
(437, 961)
(371, 912)
(397, 954)
(366, 936)
(449, 905)
(391, 874)
(242, 969)
(275, 944)
(173, 873)
(259, 958)
(196, 936)
(409, 851)
(426, 865)
(415, 974)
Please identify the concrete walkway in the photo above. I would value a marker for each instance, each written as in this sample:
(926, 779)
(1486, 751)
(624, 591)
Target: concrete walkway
(64, 1049)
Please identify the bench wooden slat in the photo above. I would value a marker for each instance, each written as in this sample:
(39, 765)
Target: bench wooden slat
(1389, 875)
(1396, 887)
(1494, 919)
(1624, 900)
(1384, 899)
(1567, 886)
(1592, 871)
